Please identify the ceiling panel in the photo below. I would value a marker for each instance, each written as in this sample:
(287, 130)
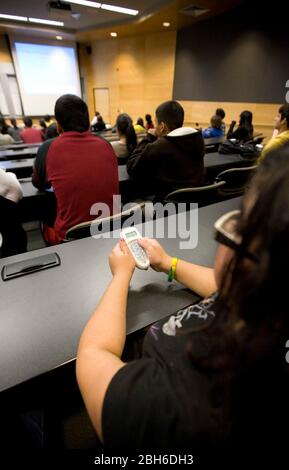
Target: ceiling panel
(88, 17)
(94, 24)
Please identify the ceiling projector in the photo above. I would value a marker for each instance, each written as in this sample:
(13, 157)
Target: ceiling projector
(59, 6)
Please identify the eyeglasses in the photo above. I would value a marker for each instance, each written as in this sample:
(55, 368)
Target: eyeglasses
(227, 232)
(226, 229)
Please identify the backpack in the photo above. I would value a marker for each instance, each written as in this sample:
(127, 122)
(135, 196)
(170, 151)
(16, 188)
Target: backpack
(246, 150)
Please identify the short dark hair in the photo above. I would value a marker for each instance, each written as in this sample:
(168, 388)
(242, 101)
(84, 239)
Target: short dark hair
(284, 111)
(71, 113)
(28, 122)
(47, 118)
(220, 112)
(171, 113)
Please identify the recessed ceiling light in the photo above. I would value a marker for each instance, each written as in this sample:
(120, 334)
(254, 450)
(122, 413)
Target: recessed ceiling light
(85, 3)
(166, 24)
(13, 17)
(50, 22)
(59, 38)
(126, 11)
(114, 35)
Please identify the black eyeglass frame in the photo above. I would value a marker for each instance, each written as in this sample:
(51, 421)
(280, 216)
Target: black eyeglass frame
(229, 239)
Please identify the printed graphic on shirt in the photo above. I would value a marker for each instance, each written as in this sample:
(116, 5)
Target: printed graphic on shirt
(201, 311)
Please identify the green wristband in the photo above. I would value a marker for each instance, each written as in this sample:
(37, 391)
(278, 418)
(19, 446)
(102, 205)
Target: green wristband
(172, 271)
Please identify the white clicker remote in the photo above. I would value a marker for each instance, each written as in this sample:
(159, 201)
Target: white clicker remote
(131, 236)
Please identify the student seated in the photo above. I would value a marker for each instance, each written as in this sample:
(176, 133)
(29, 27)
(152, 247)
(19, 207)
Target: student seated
(29, 134)
(221, 113)
(99, 125)
(212, 377)
(215, 130)
(13, 237)
(94, 119)
(149, 123)
(48, 120)
(43, 127)
(245, 130)
(79, 166)
(139, 126)
(51, 131)
(14, 130)
(127, 138)
(170, 157)
(5, 137)
(281, 137)
(48, 128)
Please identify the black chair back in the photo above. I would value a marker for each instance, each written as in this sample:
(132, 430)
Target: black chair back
(236, 180)
(107, 224)
(203, 195)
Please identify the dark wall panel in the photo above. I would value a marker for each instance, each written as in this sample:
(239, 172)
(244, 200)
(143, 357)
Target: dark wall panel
(241, 56)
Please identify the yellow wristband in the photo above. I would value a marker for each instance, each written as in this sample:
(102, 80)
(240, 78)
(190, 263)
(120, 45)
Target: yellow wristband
(173, 269)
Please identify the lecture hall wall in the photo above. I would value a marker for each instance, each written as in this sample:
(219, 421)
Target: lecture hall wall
(139, 73)
(237, 60)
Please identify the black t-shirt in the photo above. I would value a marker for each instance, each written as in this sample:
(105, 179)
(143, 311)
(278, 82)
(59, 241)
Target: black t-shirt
(162, 401)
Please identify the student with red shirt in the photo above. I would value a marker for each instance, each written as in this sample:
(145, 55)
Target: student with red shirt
(80, 167)
(30, 135)
(149, 123)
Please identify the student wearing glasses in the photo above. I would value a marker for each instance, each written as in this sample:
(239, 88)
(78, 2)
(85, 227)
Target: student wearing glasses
(212, 377)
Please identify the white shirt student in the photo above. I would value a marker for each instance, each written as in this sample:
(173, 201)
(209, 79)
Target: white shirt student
(6, 139)
(10, 187)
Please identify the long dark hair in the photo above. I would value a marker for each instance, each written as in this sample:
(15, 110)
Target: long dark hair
(148, 119)
(42, 123)
(125, 128)
(3, 126)
(246, 360)
(246, 118)
(14, 123)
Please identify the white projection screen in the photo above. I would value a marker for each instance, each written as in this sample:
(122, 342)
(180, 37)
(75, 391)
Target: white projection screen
(44, 72)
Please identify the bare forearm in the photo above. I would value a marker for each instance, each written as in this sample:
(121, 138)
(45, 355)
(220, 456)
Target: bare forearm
(106, 329)
(199, 279)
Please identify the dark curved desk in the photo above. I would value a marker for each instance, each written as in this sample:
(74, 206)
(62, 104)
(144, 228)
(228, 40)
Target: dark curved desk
(17, 153)
(213, 162)
(43, 314)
